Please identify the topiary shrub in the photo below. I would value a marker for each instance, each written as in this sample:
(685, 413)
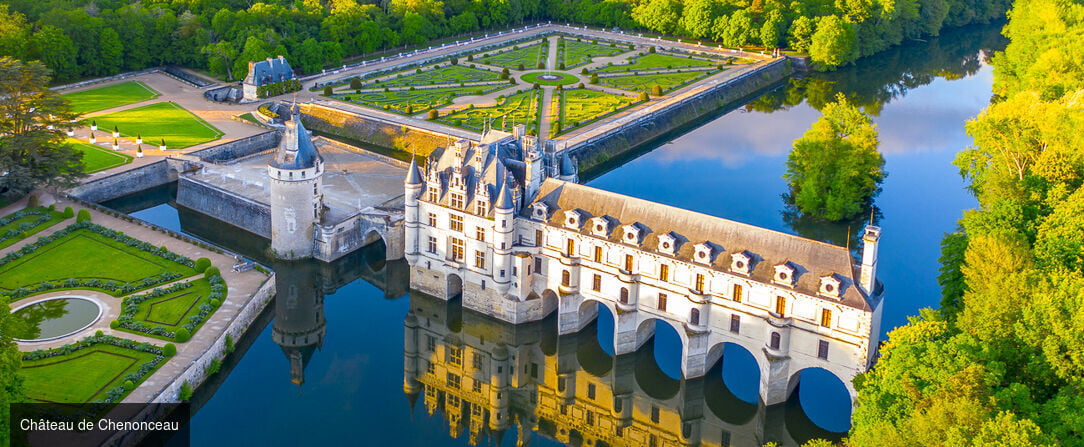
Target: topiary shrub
(83, 216)
(129, 385)
(643, 96)
(215, 303)
(99, 333)
(211, 272)
(114, 324)
(169, 350)
(68, 212)
(651, 50)
(656, 90)
(520, 66)
(355, 83)
(327, 90)
(541, 65)
(182, 335)
(583, 72)
(32, 201)
(434, 114)
(202, 264)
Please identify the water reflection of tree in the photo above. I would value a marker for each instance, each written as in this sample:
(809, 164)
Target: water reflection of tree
(25, 323)
(877, 80)
(831, 232)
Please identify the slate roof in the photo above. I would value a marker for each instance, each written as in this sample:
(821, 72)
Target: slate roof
(269, 71)
(767, 248)
(304, 156)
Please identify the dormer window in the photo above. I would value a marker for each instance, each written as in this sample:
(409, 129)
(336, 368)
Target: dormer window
(600, 226)
(572, 219)
(541, 211)
(830, 286)
(632, 234)
(704, 253)
(741, 263)
(668, 243)
(785, 274)
(481, 207)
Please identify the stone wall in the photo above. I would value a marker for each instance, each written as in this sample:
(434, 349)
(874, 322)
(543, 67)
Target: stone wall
(236, 149)
(368, 130)
(127, 182)
(225, 206)
(628, 137)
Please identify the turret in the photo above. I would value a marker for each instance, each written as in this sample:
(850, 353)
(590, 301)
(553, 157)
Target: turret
(413, 185)
(868, 276)
(504, 229)
(296, 192)
(411, 385)
(299, 327)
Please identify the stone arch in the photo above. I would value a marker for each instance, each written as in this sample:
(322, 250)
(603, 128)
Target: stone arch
(648, 328)
(549, 299)
(728, 360)
(372, 235)
(454, 286)
(605, 331)
(821, 400)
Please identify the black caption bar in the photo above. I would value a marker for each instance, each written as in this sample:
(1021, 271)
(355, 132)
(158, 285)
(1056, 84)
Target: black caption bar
(93, 425)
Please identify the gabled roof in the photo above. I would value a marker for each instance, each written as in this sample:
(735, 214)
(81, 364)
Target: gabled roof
(812, 259)
(269, 71)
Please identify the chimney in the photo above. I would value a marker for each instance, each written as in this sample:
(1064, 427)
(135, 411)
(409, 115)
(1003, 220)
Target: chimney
(868, 276)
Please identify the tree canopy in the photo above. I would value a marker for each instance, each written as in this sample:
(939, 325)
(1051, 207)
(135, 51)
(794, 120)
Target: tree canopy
(835, 169)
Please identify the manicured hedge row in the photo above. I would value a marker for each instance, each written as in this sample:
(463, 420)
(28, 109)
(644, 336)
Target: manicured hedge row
(117, 393)
(126, 319)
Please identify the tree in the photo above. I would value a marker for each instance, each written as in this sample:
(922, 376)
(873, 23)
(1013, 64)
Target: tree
(31, 154)
(833, 44)
(801, 34)
(309, 56)
(658, 15)
(111, 51)
(220, 58)
(56, 50)
(771, 30)
(835, 170)
(697, 17)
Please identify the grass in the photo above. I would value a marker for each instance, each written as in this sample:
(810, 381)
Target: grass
(247, 116)
(110, 96)
(54, 217)
(449, 74)
(644, 82)
(658, 61)
(582, 106)
(158, 121)
(97, 159)
(83, 376)
(85, 254)
(172, 311)
(417, 100)
(529, 56)
(520, 108)
(576, 53)
(565, 79)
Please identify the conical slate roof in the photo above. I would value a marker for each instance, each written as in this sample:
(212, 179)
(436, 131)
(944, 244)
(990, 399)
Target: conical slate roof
(504, 199)
(414, 176)
(296, 150)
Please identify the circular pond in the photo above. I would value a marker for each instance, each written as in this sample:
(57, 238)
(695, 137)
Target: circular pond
(549, 78)
(53, 318)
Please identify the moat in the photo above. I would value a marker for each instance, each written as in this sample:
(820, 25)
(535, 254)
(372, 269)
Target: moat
(729, 165)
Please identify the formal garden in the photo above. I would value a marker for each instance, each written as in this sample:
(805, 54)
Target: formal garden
(575, 52)
(519, 108)
(448, 74)
(159, 123)
(647, 82)
(99, 368)
(517, 57)
(97, 159)
(660, 61)
(414, 100)
(581, 106)
(110, 96)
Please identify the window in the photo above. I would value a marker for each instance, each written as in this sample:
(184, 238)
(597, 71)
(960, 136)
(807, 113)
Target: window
(534, 370)
(480, 208)
(596, 283)
(822, 350)
(590, 391)
(590, 418)
(561, 386)
(432, 194)
(737, 293)
(455, 356)
(598, 254)
(477, 387)
(566, 278)
(735, 324)
(664, 272)
(457, 249)
(628, 263)
(624, 296)
(775, 340)
(662, 302)
(457, 201)
(654, 414)
(480, 233)
(538, 265)
(480, 259)
(432, 244)
(780, 305)
(826, 318)
(456, 223)
(430, 343)
(694, 317)
(699, 283)
(570, 248)
(477, 360)
(538, 239)
(724, 440)
(453, 381)
(432, 219)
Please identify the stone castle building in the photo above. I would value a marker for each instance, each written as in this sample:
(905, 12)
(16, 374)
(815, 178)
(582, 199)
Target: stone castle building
(496, 224)
(296, 192)
(263, 73)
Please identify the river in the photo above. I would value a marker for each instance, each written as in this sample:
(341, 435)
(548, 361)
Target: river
(326, 366)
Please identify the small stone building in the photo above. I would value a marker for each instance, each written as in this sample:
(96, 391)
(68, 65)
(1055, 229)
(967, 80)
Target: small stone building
(264, 73)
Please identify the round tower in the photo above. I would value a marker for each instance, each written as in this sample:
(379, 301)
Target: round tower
(413, 185)
(296, 192)
(299, 326)
(504, 228)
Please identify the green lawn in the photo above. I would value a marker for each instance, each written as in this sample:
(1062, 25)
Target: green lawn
(83, 376)
(85, 254)
(449, 74)
(110, 96)
(576, 53)
(582, 106)
(529, 56)
(564, 78)
(520, 108)
(415, 101)
(163, 120)
(644, 82)
(658, 61)
(171, 311)
(98, 159)
(28, 218)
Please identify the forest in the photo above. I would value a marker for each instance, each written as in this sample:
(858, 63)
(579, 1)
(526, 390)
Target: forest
(84, 39)
(1002, 361)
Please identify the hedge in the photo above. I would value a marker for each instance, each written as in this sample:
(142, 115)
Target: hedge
(117, 393)
(130, 307)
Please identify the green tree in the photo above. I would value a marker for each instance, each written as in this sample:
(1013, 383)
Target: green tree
(14, 33)
(309, 56)
(771, 30)
(56, 50)
(658, 15)
(801, 34)
(835, 169)
(220, 57)
(112, 51)
(834, 43)
(697, 17)
(32, 154)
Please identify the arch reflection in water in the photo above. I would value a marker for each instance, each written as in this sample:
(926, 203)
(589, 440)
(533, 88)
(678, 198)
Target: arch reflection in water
(490, 381)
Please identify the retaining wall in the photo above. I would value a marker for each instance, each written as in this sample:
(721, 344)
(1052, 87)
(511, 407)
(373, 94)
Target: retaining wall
(370, 130)
(127, 182)
(236, 149)
(226, 206)
(626, 137)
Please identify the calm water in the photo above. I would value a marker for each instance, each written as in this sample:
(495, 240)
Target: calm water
(53, 318)
(329, 363)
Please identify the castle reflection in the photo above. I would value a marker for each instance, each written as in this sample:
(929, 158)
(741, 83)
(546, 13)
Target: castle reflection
(491, 381)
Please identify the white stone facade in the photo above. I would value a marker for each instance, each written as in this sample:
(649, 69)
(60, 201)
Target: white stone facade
(296, 194)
